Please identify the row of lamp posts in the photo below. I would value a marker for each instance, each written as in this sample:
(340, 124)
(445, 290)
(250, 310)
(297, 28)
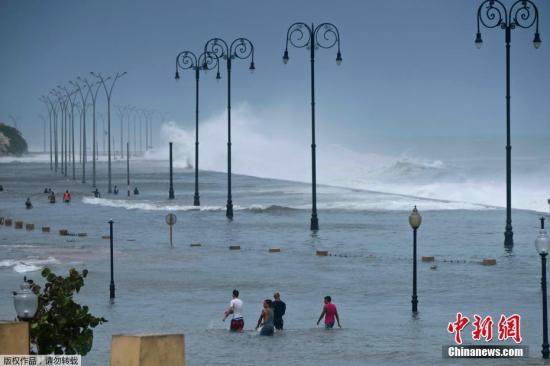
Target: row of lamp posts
(299, 35)
(61, 103)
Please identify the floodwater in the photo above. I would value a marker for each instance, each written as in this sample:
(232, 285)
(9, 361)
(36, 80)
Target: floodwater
(185, 289)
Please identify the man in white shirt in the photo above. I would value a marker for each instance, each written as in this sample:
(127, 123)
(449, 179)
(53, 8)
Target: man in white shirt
(235, 308)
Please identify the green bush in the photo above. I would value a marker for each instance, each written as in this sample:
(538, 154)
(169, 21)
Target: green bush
(61, 326)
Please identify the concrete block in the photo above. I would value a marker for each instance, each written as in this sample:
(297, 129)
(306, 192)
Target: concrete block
(428, 259)
(489, 262)
(45, 229)
(19, 224)
(14, 338)
(82, 234)
(8, 222)
(196, 245)
(29, 227)
(148, 350)
(274, 250)
(322, 253)
(63, 232)
(105, 237)
(234, 247)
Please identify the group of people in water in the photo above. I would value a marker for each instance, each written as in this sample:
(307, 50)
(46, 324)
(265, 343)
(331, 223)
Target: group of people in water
(271, 316)
(67, 195)
(51, 197)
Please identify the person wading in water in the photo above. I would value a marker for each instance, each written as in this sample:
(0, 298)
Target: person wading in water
(330, 313)
(235, 309)
(266, 319)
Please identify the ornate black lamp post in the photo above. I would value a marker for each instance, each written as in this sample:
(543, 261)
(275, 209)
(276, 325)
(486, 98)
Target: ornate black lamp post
(301, 35)
(414, 220)
(240, 48)
(494, 14)
(542, 244)
(187, 60)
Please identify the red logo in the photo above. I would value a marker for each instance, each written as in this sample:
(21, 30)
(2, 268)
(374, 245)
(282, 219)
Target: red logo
(508, 328)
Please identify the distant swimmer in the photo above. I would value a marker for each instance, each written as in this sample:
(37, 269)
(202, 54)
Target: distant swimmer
(46, 190)
(266, 319)
(236, 310)
(136, 191)
(28, 203)
(115, 191)
(1, 188)
(279, 309)
(66, 197)
(330, 313)
(51, 196)
(96, 193)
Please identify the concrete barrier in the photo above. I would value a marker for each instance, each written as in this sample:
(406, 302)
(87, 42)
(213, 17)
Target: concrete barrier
(29, 227)
(148, 350)
(274, 250)
(63, 232)
(45, 229)
(14, 338)
(428, 259)
(8, 222)
(234, 247)
(19, 224)
(322, 253)
(489, 262)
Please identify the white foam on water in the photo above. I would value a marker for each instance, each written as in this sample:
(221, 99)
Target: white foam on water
(30, 264)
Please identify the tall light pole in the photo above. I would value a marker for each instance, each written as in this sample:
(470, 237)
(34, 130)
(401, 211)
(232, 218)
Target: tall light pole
(494, 14)
(108, 94)
(57, 113)
(301, 35)
(187, 60)
(240, 48)
(63, 102)
(71, 96)
(84, 98)
(43, 130)
(93, 94)
(50, 108)
(121, 111)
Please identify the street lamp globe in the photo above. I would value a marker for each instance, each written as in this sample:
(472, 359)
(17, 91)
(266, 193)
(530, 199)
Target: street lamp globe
(338, 58)
(537, 41)
(218, 77)
(542, 243)
(478, 41)
(177, 77)
(25, 302)
(285, 57)
(415, 219)
(252, 68)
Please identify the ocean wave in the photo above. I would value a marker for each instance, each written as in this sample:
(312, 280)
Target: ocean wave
(30, 264)
(377, 203)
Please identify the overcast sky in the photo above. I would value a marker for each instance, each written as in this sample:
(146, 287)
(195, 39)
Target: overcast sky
(410, 72)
